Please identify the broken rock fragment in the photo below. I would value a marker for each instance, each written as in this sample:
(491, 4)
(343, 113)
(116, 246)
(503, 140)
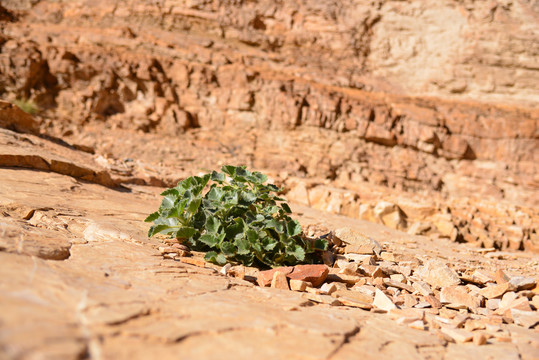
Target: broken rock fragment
(459, 296)
(458, 335)
(192, 261)
(495, 291)
(479, 339)
(399, 285)
(328, 288)
(507, 305)
(354, 299)
(438, 274)
(522, 283)
(409, 300)
(12, 117)
(279, 281)
(528, 319)
(315, 274)
(372, 271)
(355, 296)
(492, 304)
(382, 301)
(360, 258)
(323, 299)
(265, 277)
(225, 268)
(501, 277)
(483, 276)
(237, 271)
(433, 301)
(299, 285)
(418, 325)
(343, 278)
(423, 288)
(356, 242)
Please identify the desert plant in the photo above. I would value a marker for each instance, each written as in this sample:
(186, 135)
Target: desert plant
(27, 106)
(237, 219)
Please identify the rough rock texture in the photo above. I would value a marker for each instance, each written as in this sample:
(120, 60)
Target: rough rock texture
(76, 263)
(368, 94)
(13, 118)
(418, 116)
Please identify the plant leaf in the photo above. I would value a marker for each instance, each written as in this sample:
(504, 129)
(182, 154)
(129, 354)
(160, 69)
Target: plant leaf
(221, 259)
(286, 208)
(297, 252)
(215, 258)
(217, 177)
(152, 217)
(259, 177)
(293, 228)
(321, 244)
(211, 256)
(269, 243)
(215, 194)
(228, 249)
(212, 224)
(172, 191)
(209, 239)
(247, 259)
(160, 229)
(193, 205)
(275, 224)
(242, 171)
(229, 170)
(247, 197)
(185, 232)
(168, 202)
(252, 236)
(234, 229)
(244, 247)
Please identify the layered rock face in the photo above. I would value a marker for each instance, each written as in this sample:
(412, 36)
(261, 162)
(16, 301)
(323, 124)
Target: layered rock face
(418, 116)
(386, 97)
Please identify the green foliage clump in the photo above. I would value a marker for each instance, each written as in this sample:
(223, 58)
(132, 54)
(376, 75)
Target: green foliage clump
(27, 106)
(239, 219)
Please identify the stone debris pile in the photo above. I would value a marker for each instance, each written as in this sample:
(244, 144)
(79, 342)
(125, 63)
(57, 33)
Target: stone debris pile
(460, 305)
(483, 223)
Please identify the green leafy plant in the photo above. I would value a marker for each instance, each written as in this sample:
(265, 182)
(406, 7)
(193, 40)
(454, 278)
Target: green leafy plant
(238, 218)
(27, 106)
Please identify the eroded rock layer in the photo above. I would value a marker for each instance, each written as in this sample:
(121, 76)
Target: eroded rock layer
(420, 117)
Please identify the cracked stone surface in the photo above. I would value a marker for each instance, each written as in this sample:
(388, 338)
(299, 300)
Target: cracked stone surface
(115, 297)
(364, 112)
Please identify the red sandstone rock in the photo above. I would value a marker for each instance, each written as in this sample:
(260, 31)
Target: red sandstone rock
(265, 277)
(315, 274)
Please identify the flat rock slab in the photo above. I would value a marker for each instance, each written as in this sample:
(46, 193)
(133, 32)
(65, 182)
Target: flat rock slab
(33, 152)
(29, 151)
(33, 241)
(265, 277)
(314, 274)
(357, 243)
(459, 295)
(438, 274)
